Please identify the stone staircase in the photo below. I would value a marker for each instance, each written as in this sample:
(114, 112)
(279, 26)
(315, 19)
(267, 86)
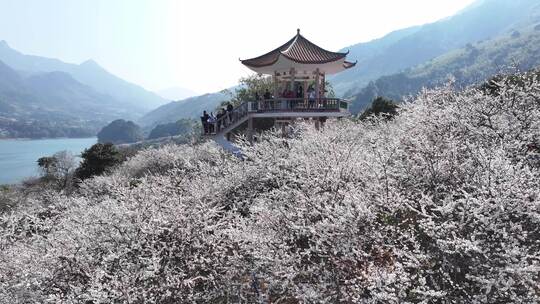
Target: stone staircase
(235, 124)
(239, 116)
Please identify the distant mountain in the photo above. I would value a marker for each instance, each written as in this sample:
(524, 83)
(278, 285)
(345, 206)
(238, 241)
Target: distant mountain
(45, 97)
(60, 92)
(517, 49)
(187, 108)
(9, 79)
(176, 93)
(88, 73)
(54, 92)
(13, 91)
(484, 19)
(53, 104)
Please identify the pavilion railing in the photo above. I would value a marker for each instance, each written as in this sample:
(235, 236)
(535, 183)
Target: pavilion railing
(274, 105)
(298, 105)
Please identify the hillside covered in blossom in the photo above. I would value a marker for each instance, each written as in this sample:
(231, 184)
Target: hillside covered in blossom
(440, 204)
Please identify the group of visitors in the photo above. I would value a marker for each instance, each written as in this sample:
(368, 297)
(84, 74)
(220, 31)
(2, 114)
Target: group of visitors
(288, 93)
(266, 96)
(289, 98)
(214, 123)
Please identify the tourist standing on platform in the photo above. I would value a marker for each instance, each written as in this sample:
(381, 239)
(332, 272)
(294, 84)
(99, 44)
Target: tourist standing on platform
(298, 95)
(258, 101)
(311, 96)
(211, 123)
(267, 95)
(219, 121)
(299, 92)
(267, 99)
(230, 109)
(204, 121)
(284, 96)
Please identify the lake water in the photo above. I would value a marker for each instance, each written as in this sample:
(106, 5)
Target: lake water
(18, 158)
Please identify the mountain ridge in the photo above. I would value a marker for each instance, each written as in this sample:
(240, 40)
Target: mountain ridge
(481, 20)
(53, 104)
(89, 73)
(470, 65)
(188, 108)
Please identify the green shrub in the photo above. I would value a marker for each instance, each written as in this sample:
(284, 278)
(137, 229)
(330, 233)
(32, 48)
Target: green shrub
(97, 160)
(381, 106)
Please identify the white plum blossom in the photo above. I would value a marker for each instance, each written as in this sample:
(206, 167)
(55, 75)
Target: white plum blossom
(441, 204)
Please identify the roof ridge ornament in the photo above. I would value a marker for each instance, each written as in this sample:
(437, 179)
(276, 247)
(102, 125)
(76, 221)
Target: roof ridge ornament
(297, 31)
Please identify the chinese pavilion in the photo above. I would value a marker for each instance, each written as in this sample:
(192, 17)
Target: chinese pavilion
(298, 69)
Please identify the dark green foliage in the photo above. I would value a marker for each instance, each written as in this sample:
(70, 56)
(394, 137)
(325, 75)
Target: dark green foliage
(493, 85)
(381, 106)
(58, 169)
(97, 160)
(258, 84)
(47, 164)
(120, 131)
(181, 127)
(248, 87)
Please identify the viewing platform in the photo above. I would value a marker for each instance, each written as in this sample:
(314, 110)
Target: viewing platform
(279, 108)
(296, 88)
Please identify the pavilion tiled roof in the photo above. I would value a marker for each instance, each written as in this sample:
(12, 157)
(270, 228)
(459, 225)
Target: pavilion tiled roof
(299, 50)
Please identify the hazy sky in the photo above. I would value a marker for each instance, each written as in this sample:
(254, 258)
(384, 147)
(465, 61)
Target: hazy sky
(196, 44)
